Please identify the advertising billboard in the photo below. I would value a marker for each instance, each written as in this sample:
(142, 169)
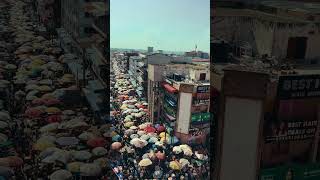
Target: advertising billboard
(290, 142)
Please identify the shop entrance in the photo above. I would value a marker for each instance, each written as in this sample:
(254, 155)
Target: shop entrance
(297, 47)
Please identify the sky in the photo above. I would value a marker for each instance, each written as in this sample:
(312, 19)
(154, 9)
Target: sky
(169, 25)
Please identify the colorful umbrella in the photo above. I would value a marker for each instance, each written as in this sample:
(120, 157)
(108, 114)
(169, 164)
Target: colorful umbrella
(54, 118)
(90, 169)
(67, 141)
(53, 110)
(175, 165)
(99, 151)
(97, 142)
(150, 129)
(11, 161)
(33, 112)
(145, 162)
(116, 145)
(41, 146)
(81, 155)
(74, 166)
(61, 175)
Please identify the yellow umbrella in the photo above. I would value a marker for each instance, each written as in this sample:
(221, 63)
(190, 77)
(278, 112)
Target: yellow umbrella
(43, 145)
(48, 96)
(175, 165)
(128, 124)
(44, 88)
(162, 135)
(53, 110)
(123, 107)
(145, 162)
(38, 62)
(67, 76)
(74, 166)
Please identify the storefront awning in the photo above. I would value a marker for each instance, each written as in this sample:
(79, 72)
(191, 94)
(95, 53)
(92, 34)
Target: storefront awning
(169, 88)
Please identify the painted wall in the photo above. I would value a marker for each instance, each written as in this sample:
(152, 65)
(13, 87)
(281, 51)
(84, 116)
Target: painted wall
(184, 115)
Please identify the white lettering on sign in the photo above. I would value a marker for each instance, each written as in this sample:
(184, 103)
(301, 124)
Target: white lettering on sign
(302, 84)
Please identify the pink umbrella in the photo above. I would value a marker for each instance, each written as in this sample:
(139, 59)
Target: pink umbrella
(38, 102)
(50, 102)
(161, 129)
(116, 145)
(54, 118)
(33, 112)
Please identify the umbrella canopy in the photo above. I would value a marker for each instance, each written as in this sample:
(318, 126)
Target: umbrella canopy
(68, 112)
(81, 155)
(116, 138)
(102, 162)
(177, 149)
(99, 151)
(11, 161)
(61, 175)
(145, 162)
(184, 162)
(116, 145)
(175, 165)
(160, 155)
(150, 129)
(4, 116)
(153, 140)
(59, 155)
(139, 143)
(51, 102)
(3, 138)
(186, 149)
(33, 112)
(41, 146)
(49, 127)
(128, 124)
(90, 169)
(53, 110)
(85, 136)
(140, 133)
(74, 166)
(54, 118)
(67, 141)
(161, 129)
(133, 136)
(133, 127)
(97, 142)
(129, 132)
(38, 101)
(3, 125)
(48, 152)
(145, 137)
(44, 88)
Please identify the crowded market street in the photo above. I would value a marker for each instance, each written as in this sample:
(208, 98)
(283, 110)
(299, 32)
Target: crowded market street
(142, 150)
(43, 133)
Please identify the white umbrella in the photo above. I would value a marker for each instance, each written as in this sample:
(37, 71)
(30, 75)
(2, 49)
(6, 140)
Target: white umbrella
(177, 149)
(82, 155)
(4, 116)
(49, 127)
(67, 141)
(48, 152)
(184, 162)
(134, 136)
(85, 136)
(61, 175)
(3, 125)
(90, 169)
(99, 151)
(140, 133)
(145, 137)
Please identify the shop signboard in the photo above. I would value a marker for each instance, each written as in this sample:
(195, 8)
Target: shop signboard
(200, 117)
(203, 89)
(199, 108)
(292, 172)
(202, 95)
(294, 87)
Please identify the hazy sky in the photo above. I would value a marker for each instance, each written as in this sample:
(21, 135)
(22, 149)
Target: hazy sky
(170, 25)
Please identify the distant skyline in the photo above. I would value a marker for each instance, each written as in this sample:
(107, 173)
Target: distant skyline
(169, 25)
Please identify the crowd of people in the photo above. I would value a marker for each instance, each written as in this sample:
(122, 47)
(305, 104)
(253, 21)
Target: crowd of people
(142, 150)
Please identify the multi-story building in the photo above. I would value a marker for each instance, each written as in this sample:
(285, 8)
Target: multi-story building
(84, 33)
(198, 54)
(281, 29)
(178, 96)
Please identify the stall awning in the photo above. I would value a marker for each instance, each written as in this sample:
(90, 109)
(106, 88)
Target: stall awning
(169, 88)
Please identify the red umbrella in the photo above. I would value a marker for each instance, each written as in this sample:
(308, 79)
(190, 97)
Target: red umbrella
(54, 118)
(33, 112)
(97, 142)
(161, 129)
(150, 129)
(50, 102)
(160, 155)
(38, 102)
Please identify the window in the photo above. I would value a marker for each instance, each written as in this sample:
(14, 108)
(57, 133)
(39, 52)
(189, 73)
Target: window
(202, 76)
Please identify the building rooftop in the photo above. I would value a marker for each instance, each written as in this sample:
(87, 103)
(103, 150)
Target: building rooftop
(306, 7)
(96, 8)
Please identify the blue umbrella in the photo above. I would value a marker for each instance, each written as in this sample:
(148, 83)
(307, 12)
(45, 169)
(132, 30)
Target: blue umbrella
(116, 138)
